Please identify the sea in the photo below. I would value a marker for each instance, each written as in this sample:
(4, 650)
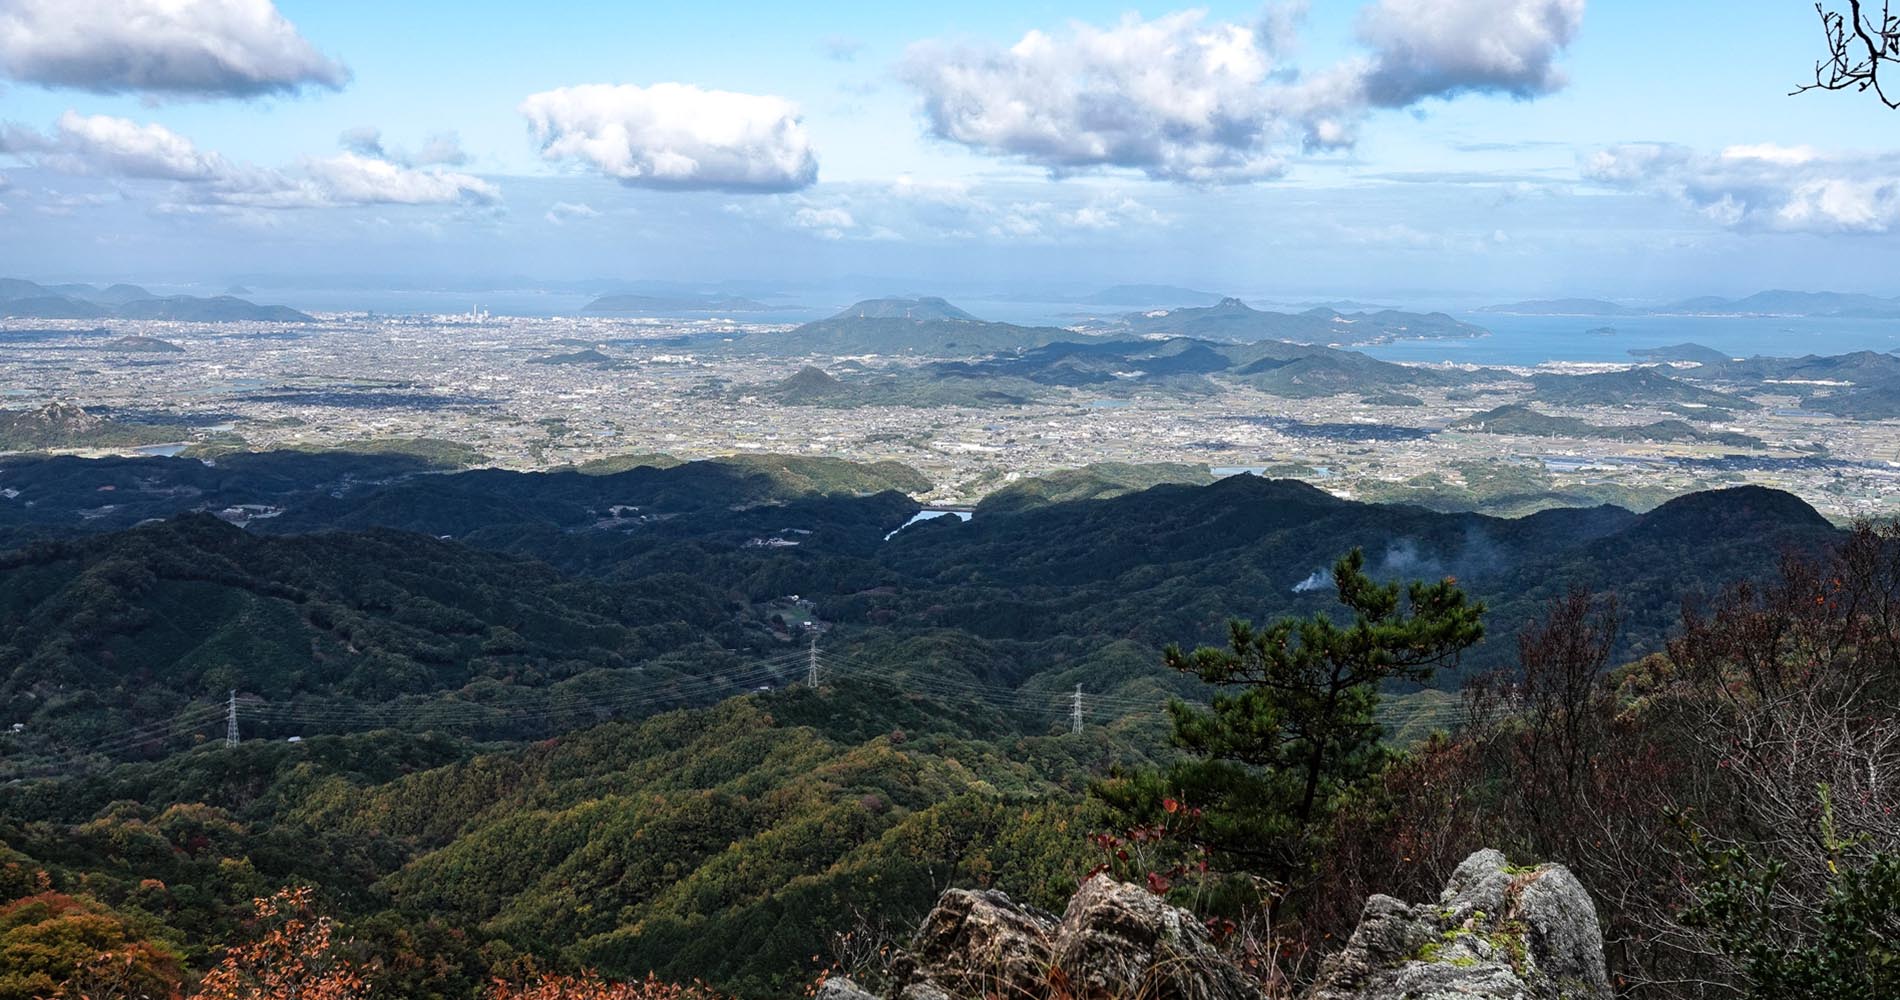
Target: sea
(1514, 340)
(1532, 340)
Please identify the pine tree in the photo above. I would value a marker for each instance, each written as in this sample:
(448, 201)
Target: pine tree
(1292, 727)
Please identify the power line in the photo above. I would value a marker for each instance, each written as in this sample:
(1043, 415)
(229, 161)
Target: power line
(190, 718)
(556, 704)
(1114, 706)
(429, 713)
(452, 712)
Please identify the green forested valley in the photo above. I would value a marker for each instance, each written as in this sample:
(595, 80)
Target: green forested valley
(508, 723)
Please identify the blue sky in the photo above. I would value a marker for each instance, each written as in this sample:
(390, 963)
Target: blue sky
(1432, 150)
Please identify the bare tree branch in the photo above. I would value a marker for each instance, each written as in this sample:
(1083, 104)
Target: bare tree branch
(1858, 46)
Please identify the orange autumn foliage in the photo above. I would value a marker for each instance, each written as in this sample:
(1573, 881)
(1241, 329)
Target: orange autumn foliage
(590, 987)
(291, 959)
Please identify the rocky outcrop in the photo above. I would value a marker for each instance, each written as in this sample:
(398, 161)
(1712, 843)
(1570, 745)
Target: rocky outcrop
(1115, 940)
(1496, 932)
(978, 944)
(842, 988)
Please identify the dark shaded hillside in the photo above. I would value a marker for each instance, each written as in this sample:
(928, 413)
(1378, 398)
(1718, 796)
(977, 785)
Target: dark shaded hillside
(131, 628)
(1027, 591)
(63, 495)
(459, 504)
(307, 491)
(1173, 563)
(748, 530)
(1683, 551)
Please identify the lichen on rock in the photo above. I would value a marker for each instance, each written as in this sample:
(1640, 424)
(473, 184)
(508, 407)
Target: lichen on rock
(1496, 932)
(1114, 940)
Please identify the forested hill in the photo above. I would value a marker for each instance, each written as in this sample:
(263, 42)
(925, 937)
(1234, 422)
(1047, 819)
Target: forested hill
(63, 495)
(563, 593)
(483, 772)
(130, 629)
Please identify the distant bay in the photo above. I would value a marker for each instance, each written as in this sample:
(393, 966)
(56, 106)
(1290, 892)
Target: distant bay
(1531, 340)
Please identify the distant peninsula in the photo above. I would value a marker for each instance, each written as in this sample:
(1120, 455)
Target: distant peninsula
(1836, 305)
(1235, 321)
(21, 299)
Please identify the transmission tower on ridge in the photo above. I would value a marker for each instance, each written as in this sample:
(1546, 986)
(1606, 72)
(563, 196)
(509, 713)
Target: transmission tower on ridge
(811, 663)
(1075, 711)
(230, 720)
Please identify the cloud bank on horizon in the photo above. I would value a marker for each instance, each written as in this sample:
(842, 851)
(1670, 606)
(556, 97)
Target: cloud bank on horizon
(1763, 186)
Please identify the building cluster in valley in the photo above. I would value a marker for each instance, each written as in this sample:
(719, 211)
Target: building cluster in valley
(537, 393)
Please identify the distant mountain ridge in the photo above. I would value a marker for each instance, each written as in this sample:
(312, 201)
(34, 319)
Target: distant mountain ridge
(1232, 320)
(922, 309)
(1779, 302)
(1630, 387)
(1563, 307)
(1774, 302)
(925, 325)
(1513, 418)
(22, 299)
(629, 303)
(1696, 353)
(1150, 295)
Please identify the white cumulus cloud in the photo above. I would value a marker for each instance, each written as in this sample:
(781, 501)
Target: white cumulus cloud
(187, 48)
(1182, 97)
(1177, 97)
(118, 147)
(675, 136)
(830, 223)
(355, 179)
(114, 146)
(444, 148)
(1442, 48)
(563, 212)
(1765, 186)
